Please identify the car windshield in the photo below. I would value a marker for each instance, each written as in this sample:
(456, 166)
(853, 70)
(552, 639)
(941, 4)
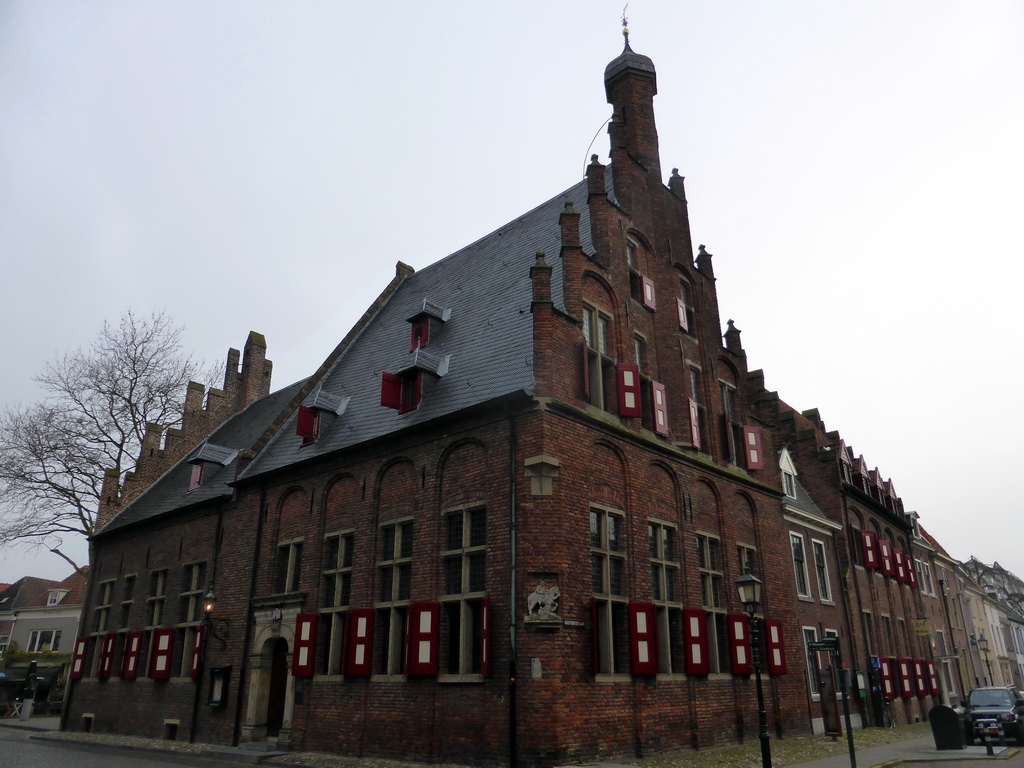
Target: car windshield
(991, 699)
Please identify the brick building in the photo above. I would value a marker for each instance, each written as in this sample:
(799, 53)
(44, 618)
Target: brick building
(502, 522)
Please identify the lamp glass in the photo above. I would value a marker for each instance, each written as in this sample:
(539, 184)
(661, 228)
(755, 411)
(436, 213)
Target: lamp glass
(749, 588)
(211, 602)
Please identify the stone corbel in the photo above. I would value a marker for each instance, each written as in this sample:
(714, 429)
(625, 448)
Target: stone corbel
(542, 470)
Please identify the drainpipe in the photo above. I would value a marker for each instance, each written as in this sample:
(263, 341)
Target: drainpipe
(512, 752)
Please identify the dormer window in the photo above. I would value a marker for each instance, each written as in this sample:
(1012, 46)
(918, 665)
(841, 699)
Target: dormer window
(307, 425)
(428, 313)
(208, 453)
(420, 333)
(55, 596)
(401, 391)
(309, 420)
(197, 475)
(788, 474)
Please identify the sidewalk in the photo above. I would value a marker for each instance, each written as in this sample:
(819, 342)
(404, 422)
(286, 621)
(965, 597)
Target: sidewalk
(921, 750)
(918, 750)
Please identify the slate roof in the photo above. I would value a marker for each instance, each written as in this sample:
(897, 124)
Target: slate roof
(170, 493)
(806, 504)
(488, 336)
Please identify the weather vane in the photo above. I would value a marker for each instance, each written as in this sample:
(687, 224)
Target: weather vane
(625, 22)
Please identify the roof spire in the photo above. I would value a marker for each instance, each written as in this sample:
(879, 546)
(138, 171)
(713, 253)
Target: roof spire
(625, 27)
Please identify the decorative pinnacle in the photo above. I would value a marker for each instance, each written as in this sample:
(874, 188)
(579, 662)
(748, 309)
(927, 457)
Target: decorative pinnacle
(625, 24)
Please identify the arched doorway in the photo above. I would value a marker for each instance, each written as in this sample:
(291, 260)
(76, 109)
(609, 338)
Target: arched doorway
(278, 687)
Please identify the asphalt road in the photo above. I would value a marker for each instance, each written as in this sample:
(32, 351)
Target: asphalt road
(19, 750)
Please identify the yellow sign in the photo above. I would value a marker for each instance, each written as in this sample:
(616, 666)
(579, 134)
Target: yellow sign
(920, 627)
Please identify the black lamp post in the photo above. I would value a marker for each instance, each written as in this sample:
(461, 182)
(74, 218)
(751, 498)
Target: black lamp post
(749, 587)
(983, 647)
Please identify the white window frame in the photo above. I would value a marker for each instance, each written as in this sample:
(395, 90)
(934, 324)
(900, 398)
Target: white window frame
(806, 594)
(824, 586)
(35, 645)
(810, 634)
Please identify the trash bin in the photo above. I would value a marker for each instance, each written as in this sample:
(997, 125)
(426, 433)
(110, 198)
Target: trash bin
(947, 728)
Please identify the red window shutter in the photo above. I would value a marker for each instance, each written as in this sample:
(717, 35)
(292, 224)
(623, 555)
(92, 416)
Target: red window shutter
(694, 424)
(885, 551)
(695, 631)
(888, 686)
(776, 648)
(643, 652)
(195, 668)
(391, 391)
(586, 371)
(305, 645)
(78, 660)
(197, 476)
(906, 678)
(308, 425)
(681, 308)
(130, 655)
(647, 287)
(485, 637)
(160, 653)
(900, 567)
(420, 333)
(360, 643)
(660, 405)
(920, 682)
(421, 639)
(628, 375)
(739, 644)
(752, 446)
(933, 677)
(869, 546)
(106, 655)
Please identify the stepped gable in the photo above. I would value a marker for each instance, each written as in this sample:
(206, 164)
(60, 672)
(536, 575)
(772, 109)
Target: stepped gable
(170, 492)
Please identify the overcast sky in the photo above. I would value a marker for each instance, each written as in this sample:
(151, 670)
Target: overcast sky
(856, 169)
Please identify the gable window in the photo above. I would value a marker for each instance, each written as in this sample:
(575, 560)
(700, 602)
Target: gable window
(395, 569)
(641, 287)
(465, 570)
(731, 437)
(709, 568)
(401, 391)
(789, 484)
(821, 571)
(665, 570)
(289, 566)
(607, 568)
(103, 603)
(598, 362)
(698, 430)
(796, 542)
(337, 580)
(684, 305)
(157, 595)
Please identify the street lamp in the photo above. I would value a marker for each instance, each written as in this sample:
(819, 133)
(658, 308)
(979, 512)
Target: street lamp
(983, 647)
(749, 587)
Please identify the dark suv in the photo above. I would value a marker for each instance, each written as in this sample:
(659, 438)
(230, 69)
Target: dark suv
(994, 711)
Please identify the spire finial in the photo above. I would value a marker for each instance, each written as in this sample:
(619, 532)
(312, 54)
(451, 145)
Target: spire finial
(625, 25)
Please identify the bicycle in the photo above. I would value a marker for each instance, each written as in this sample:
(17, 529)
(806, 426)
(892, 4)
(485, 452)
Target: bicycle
(888, 717)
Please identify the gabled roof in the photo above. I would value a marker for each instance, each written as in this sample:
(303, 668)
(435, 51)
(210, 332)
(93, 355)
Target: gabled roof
(170, 493)
(73, 587)
(488, 336)
(24, 591)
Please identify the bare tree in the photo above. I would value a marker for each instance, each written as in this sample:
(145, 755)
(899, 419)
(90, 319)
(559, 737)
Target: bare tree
(91, 419)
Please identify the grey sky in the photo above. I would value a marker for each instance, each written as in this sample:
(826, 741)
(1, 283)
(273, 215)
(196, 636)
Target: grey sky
(854, 168)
